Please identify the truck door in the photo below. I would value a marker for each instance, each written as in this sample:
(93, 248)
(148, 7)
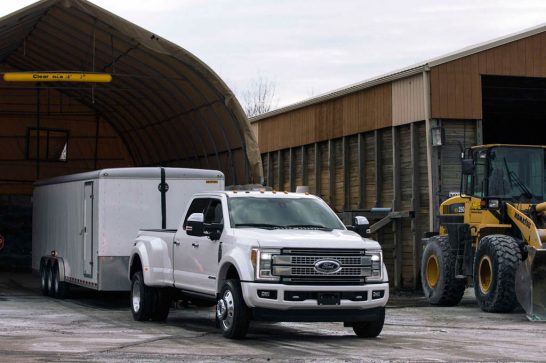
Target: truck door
(196, 259)
(87, 229)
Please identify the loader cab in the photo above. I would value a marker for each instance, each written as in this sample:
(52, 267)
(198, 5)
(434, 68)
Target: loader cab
(505, 172)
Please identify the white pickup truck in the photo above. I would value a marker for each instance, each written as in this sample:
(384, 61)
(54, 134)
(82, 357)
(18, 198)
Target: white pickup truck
(261, 255)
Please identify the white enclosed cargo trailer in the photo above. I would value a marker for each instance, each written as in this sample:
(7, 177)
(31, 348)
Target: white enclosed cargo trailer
(84, 225)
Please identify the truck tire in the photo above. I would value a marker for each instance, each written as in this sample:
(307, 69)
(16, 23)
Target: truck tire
(142, 298)
(60, 288)
(370, 329)
(44, 279)
(162, 304)
(440, 285)
(231, 311)
(495, 265)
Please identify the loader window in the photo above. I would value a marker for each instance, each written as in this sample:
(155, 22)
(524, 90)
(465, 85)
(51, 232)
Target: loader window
(516, 173)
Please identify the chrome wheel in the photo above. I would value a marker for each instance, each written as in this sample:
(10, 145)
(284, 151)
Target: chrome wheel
(135, 296)
(225, 308)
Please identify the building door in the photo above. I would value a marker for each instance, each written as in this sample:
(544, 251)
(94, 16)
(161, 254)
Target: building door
(87, 230)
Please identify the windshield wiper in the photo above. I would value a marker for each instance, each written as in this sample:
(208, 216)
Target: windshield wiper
(512, 176)
(309, 226)
(258, 225)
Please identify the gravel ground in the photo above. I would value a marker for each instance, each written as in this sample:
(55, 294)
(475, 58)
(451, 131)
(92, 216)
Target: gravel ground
(98, 327)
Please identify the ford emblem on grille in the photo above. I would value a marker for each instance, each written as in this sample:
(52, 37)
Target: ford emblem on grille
(327, 266)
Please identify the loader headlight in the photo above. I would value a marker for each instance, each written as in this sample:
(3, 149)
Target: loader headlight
(377, 266)
(493, 204)
(261, 260)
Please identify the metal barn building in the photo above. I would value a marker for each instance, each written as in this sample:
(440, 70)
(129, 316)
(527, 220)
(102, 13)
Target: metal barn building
(163, 107)
(395, 141)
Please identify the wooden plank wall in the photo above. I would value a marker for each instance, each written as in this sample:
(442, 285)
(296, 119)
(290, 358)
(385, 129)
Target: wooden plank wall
(18, 114)
(361, 191)
(456, 86)
(369, 109)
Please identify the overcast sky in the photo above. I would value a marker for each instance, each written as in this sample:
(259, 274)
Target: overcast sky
(310, 47)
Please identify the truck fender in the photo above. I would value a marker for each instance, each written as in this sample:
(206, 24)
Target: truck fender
(153, 253)
(139, 252)
(235, 260)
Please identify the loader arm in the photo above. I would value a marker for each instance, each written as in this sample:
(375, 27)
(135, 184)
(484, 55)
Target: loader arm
(529, 231)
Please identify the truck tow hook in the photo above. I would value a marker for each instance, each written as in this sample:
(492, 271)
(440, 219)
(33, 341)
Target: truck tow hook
(221, 309)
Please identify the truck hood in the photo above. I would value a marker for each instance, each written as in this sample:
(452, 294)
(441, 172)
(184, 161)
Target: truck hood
(291, 238)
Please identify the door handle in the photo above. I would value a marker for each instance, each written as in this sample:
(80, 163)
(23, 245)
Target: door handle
(176, 243)
(195, 244)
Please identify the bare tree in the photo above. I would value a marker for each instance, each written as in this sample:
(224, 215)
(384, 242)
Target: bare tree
(259, 97)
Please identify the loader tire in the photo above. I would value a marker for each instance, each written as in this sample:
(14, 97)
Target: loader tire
(495, 265)
(440, 285)
(142, 298)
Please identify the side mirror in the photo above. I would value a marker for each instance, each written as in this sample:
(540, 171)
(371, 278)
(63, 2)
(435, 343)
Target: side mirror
(467, 166)
(361, 225)
(213, 230)
(194, 225)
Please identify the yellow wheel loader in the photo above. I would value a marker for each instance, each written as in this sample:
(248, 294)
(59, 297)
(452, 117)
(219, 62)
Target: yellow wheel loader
(493, 233)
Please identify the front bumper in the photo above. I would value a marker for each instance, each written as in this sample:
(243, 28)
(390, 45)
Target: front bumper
(252, 300)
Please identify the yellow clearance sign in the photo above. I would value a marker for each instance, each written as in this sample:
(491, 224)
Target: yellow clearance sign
(57, 77)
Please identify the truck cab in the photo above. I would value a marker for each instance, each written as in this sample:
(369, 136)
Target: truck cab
(262, 255)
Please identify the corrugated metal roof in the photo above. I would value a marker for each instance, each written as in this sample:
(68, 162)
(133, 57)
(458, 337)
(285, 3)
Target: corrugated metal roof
(406, 72)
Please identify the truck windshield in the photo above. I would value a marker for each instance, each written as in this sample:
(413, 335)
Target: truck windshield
(272, 213)
(516, 173)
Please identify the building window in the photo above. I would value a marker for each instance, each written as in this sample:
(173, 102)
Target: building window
(52, 144)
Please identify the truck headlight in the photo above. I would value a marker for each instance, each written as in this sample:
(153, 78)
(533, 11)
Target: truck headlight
(377, 266)
(261, 260)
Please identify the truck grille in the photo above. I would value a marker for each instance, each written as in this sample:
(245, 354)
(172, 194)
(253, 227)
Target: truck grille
(299, 266)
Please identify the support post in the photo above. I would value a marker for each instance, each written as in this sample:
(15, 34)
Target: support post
(346, 174)
(397, 224)
(332, 173)
(304, 178)
(317, 169)
(38, 131)
(280, 170)
(270, 180)
(291, 171)
(415, 205)
(361, 171)
(378, 167)
(479, 132)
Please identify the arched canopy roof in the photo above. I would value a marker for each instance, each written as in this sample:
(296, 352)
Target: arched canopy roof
(167, 106)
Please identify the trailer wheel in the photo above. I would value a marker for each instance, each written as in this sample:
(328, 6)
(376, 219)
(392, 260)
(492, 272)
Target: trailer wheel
(60, 288)
(440, 285)
(231, 311)
(162, 304)
(44, 278)
(495, 265)
(141, 298)
(50, 272)
(370, 329)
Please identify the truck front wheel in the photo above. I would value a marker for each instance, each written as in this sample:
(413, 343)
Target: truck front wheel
(142, 298)
(370, 329)
(231, 311)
